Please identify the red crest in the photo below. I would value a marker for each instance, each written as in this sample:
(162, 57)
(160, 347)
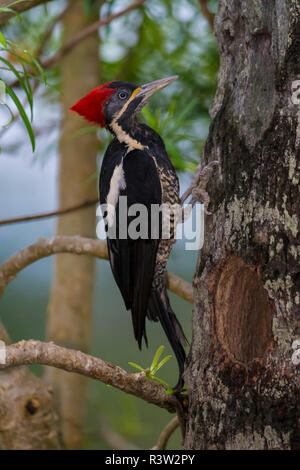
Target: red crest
(91, 105)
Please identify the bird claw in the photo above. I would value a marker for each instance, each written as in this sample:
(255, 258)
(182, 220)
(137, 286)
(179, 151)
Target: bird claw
(181, 404)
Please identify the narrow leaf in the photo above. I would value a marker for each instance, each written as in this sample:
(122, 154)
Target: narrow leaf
(30, 94)
(2, 40)
(38, 65)
(22, 83)
(10, 10)
(162, 362)
(33, 60)
(149, 118)
(23, 115)
(183, 115)
(136, 366)
(11, 116)
(156, 379)
(157, 355)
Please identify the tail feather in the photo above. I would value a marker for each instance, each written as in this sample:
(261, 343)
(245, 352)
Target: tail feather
(159, 308)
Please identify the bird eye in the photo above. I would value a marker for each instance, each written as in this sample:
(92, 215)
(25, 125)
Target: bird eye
(122, 95)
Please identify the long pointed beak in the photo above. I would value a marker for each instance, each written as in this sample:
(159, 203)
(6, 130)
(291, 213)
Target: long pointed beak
(149, 89)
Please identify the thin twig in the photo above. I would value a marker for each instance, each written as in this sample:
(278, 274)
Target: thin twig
(207, 13)
(50, 354)
(37, 55)
(180, 287)
(45, 215)
(166, 434)
(49, 30)
(16, 115)
(86, 32)
(76, 245)
(83, 34)
(201, 177)
(17, 6)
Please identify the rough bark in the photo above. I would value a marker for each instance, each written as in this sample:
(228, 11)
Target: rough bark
(70, 306)
(243, 368)
(28, 419)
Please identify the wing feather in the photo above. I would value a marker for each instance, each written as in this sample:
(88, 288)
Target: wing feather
(133, 260)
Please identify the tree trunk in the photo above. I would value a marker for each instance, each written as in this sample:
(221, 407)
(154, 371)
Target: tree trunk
(70, 307)
(243, 368)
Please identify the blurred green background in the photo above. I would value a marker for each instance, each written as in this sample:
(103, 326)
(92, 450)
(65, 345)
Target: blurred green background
(163, 38)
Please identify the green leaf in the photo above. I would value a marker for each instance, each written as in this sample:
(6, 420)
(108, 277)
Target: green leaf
(7, 8)
(3, 40)
(23, 115)
(136, 366)
(22, 83)
(149, 118)
(157, 355)
(150, 372)
(30, 95)
(177, 122)
(162, 362)
(174, 154)
(11, 116)
(33, 59)
(21, 58)
(156, 379)
(39, 67)
(15, 2)
(10, 10)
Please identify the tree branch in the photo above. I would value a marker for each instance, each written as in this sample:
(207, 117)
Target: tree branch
(207, 13)
(49, 30)
(199, 182)
(49, 354)
(37, 55)
(76, 245)
(83, 34)
(180, 287)
(86, 32)
(19, 7)
(166, 434)
(45, 215)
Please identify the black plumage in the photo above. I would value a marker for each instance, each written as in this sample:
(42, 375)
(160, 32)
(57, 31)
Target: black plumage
(139, 265)
(136, 165)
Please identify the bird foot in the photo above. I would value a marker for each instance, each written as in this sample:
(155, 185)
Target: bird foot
(197, 188)
(181, 404)
(202, 177)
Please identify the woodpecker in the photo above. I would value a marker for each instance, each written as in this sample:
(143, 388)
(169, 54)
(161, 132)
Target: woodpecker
(136, 165)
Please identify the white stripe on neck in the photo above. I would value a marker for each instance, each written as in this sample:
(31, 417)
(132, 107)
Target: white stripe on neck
(122, 136)
(117, 183)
